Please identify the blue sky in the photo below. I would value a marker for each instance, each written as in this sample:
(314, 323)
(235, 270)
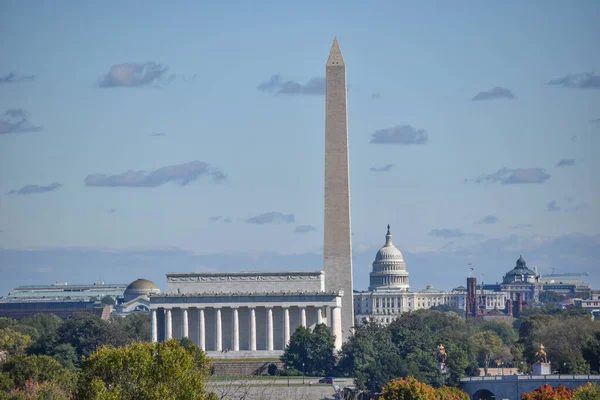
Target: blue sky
(473, 130)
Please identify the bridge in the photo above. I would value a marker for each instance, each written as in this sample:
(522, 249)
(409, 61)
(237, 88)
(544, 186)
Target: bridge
(510, 387)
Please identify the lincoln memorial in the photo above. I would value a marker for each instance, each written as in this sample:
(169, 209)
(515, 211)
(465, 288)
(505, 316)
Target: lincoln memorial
(243, 314)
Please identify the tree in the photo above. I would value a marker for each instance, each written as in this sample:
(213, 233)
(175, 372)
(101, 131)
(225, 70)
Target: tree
(152, 371)
(14, 342)
(86, 332)
(39, 368)
(46, 326)
(312, 352)
(66, 355)
(451, 393)
(107, 301)
(590, 391)
(39, 391)
(408, 389)
(487, 344)
(547, 392)
(457, 364)
(591, 352)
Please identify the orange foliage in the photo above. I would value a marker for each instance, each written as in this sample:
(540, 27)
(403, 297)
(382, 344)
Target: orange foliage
(547, 392)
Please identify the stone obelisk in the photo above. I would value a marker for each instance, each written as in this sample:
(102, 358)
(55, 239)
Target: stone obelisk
(337, 246)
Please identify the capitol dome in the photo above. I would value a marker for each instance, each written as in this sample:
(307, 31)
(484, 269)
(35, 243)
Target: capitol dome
(140, 287)
(389, 268)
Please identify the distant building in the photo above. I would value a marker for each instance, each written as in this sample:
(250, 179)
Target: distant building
(519, 281)
(592, 304)
(64, 300)
(389, 293)
(136, 297)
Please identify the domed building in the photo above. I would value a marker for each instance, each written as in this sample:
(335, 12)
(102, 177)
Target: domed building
(389, 293)
(140, 287)
(521, 283)
(136, 297)
(389, 268)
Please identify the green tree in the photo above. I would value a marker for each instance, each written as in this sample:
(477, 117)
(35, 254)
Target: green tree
(86, 332)
(502, 329)
(14, 342)
(457, 364)
(488, 344)
(46, 326)
(590, 391)
(591, 352)
(151, 371)
(6, 383)
(39, 368)
(66, 355)
(107, 301)
(312, 352)
(296, 352)
(451, 393)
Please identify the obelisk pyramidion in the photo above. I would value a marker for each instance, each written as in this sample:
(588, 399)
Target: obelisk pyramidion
(337, 246)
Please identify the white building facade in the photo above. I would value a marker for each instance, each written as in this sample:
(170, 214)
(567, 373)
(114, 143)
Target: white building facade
(219, 313)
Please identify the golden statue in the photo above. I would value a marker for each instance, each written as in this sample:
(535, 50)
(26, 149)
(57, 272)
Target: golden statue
(442, 357)
(541, 356)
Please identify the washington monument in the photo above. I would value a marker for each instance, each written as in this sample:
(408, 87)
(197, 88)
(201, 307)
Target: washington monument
(337, 245)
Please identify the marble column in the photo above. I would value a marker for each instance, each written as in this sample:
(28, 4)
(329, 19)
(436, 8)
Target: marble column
(218, 330)
(286, 326)
(168, 324)
(336, 326)
(252, 328)
(319, 315)
(184, 322)
(303, 316)
(154, 328)
(270, 329)
(235, 335)
(201, 329)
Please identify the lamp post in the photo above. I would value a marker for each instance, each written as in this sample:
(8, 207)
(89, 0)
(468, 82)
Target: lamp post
(303, 372)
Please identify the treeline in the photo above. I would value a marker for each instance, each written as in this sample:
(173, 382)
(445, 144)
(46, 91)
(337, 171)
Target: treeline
(48, 351)
(377, 354)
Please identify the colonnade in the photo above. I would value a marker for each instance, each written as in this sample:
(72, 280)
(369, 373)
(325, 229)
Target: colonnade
(165, 313)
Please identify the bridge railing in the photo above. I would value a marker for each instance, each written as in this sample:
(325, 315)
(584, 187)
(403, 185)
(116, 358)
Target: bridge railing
(589, 378)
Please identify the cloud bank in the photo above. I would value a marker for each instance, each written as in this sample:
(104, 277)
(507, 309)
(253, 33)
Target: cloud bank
(11, 77)
(567, 162)
(584, 80)
(385, 168)
(133, 75)
(15, 121)
(181, 174)
(512, 176)
(33, 189)
(304, 229)
(447, 233)
(275, 85)
(490, 219)
(494, 94)
(400, 134)
(273, 217)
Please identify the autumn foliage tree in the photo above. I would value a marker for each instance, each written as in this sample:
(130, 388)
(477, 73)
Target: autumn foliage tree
(411, 389)
(590, 391)
(547, 392)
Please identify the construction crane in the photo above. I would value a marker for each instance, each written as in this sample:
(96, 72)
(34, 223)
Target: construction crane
(564, 274)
